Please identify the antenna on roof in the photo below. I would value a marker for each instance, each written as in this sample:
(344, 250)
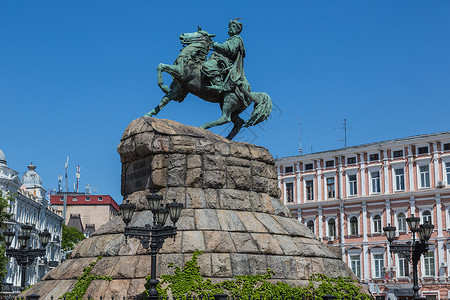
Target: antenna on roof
(344, 126)
(300, 148)
(77, 175)
(87, 189)
(60, 177)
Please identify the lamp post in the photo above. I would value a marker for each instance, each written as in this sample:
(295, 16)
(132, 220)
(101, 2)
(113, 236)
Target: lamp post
(412, 250)
(25, 255)
(152, 236)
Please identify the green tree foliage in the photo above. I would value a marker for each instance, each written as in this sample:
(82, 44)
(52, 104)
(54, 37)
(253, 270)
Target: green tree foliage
(187, 281)
(5, 204)
(70, 238)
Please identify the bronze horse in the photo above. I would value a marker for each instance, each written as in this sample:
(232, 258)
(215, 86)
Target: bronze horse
(187, 78)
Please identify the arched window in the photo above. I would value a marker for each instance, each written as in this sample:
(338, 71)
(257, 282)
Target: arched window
(353, 225)
(331, 228)
(401, 220)
(311, 225)
(426, 217)
(377, 224)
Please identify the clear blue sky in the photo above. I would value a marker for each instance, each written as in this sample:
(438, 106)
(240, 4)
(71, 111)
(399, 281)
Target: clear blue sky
(73, 74)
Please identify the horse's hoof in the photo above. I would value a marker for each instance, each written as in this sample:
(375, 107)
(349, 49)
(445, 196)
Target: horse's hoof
(149, 114)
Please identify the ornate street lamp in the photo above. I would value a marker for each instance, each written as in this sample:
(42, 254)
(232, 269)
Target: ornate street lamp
(152, 235)
(25, 255)
(412, 250)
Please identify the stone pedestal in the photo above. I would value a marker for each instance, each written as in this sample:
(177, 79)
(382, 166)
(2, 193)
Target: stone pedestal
(232, 213)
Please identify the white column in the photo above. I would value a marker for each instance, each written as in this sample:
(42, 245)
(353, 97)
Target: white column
(363, 179)
(436, 164)
(386, 172)
(320, 221)
(341, 225)
(319, 184)
(412, 204)
(340, 178)
(366, 275)
(299, 215)
(439, 216)
(410, 168)
(297, 178)
(364, 219)
(388, 221)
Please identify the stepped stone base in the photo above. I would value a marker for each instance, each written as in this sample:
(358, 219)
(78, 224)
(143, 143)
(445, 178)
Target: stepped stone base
(232, 213)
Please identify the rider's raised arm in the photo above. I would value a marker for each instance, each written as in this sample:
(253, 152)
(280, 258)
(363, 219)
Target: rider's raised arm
(230, 48)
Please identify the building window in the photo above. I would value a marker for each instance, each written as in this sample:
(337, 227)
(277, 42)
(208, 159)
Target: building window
(330, 187)
(423, 150)
(447, 147)
(426, 217)
(309, 190)
(353, 225)
(377, 224)
(329, 163)
(378, 264)
(373, 157)
(88, 198)
(309, 166)
(311, 225)
(100, 198)
(61, 199)
(290, 192)
(351, 160)
(74, 199)
(429, 264)
(399, 179)
(352, 185)
(401, 220)
(355, 263)
(403, 267)
(331, 228)
(447, 170)
(375, 180)
(398, 153)
(288, 169)
(424, 176)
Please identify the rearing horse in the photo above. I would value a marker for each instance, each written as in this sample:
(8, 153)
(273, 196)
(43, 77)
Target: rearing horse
(187, 78)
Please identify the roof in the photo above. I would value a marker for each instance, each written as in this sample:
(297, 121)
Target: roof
(75, 222)
(357, 147)
(84, 199)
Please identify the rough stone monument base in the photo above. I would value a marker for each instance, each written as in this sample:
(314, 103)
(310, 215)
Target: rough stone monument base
(233, 214)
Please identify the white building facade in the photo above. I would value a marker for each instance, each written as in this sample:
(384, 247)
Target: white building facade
(347, 196)
(30, 206)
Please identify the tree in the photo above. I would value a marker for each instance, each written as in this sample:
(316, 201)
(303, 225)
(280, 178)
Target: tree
(70, 238)
(5, 204)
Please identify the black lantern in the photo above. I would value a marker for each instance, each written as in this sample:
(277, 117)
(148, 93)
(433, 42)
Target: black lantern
(161, 215)
(154, 200)
(413, 223)
(26, 230)
(425, 232)
(23, 241)
(9, 236)
(127, 210)
(390, 232)
(174, 210)
(44, 237)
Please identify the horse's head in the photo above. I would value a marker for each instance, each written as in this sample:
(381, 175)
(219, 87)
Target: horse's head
(200, 36)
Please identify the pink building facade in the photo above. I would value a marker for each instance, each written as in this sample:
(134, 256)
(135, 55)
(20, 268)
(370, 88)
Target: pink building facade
(346, 197)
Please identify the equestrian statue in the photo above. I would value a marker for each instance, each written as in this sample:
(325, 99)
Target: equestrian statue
(217, 79)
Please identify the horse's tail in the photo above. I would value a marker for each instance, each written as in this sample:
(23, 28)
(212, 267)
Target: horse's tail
(261, 110)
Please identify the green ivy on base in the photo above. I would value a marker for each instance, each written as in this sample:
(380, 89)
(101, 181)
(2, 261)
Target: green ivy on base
(83, 282)
(188, 281)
